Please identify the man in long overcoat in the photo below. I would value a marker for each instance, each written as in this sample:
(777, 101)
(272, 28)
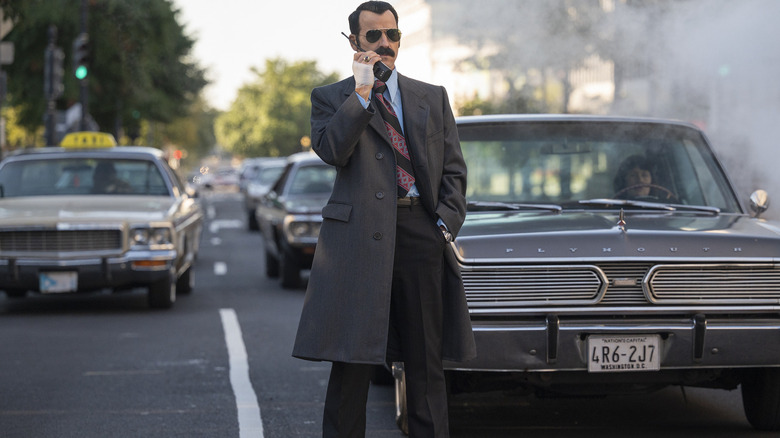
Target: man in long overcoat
(384, 284)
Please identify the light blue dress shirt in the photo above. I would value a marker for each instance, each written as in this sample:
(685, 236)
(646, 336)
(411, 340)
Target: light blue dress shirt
(393, 95)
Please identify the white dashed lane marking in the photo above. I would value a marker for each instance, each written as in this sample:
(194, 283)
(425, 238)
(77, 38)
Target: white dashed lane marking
(250, 423)
(220, 268)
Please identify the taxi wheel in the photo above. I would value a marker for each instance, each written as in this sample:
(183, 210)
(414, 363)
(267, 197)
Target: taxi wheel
(162, 294)
(185, 283)
(16, 293)
(761, 397)
(271, 265)
(252, 222)
(290, 271)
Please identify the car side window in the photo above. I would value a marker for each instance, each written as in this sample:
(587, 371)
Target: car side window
(311, 180)
(280, 183)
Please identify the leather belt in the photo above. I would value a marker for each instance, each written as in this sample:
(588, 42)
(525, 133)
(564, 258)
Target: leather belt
(409, 201)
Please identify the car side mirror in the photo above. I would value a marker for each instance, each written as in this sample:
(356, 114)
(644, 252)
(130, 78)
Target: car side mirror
(759, 202)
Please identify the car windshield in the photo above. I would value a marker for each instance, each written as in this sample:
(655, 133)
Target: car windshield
(81, 176)
(589, 164)
(268, 175)
(310, 180)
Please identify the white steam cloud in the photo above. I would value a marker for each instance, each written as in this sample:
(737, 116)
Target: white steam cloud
(724, 56)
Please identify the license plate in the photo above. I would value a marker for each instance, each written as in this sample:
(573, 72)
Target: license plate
(612, 353)
(58, 282)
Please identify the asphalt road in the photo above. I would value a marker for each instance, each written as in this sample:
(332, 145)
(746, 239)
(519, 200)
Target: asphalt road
(218, 365)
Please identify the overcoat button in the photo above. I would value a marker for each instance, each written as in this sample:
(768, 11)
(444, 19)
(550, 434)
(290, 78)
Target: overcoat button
(379, 155)
(380, 195)
(377, 236)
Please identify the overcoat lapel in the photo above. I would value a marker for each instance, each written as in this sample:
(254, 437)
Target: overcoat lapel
(416, 109)
(378, 123)
(416, 115)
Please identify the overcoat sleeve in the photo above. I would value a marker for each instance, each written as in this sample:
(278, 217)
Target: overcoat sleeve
(337, 121)
(451, 207)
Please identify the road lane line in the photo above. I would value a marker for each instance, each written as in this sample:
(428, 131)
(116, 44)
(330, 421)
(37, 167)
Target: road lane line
(227, 224)
(250, 423)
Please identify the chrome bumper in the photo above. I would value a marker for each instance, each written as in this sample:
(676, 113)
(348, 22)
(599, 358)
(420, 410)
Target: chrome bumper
(560, 343)
(93, 272)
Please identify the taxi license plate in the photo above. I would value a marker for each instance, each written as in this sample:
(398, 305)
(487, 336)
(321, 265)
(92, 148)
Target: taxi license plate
(612, 353)
(58, 282)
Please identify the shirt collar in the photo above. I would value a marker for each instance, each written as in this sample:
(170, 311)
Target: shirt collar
(392, 85)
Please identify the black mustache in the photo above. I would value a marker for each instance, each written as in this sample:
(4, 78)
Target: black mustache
(384, 51)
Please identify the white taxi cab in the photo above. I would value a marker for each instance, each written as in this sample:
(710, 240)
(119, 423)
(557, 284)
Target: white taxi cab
(91, 216)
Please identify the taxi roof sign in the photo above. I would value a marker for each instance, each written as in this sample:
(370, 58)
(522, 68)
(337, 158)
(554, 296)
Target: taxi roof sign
(88, 140)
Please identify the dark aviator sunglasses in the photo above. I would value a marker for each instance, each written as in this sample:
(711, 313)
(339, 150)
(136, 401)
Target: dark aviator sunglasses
(373, 35)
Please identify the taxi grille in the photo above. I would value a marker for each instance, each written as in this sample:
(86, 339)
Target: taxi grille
(621, 284)
(22, 241)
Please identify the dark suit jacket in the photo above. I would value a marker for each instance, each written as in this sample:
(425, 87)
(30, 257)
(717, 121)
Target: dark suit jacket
(347, 306)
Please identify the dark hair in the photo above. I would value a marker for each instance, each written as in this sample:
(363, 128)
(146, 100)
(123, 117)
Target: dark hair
(628, 164)
(376, 7)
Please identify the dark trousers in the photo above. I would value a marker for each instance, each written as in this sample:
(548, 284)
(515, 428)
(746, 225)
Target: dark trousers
(415, 332)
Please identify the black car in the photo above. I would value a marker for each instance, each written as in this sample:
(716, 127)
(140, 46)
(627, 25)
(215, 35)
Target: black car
(256, 178)
(289, 216)
(601, 255)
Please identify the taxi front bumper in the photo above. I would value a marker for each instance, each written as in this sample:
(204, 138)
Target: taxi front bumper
(133, 269)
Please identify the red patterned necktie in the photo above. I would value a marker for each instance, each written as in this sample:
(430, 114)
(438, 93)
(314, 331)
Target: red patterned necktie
(404, 174)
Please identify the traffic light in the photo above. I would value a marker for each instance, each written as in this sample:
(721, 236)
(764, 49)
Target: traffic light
(81, 56)
(53, 74)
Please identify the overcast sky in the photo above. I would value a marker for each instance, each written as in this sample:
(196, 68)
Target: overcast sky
(234, 35)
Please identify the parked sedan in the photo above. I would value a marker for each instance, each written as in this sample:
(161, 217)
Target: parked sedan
(94, 216)
(290, 216)
(602, 255)
(257, 177)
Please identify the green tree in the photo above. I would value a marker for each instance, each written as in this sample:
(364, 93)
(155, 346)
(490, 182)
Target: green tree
(271, 115)
(193, 133)
(140, 60)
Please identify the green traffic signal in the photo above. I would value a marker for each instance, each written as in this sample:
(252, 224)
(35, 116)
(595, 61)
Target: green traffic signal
(81, 72)
(81, 56)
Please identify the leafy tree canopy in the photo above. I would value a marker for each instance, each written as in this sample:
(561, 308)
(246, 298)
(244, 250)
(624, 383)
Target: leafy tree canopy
(140, 60)
(271, 115)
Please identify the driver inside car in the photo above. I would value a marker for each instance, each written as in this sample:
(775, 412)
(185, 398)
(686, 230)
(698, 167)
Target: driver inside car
(634, 180)
(105, 180)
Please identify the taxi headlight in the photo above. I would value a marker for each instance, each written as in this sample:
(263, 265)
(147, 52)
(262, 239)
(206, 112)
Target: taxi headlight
(150, 236)
(160, 236)
(139, 236)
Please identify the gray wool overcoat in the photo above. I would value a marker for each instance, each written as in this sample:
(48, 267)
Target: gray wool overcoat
(346, 311)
